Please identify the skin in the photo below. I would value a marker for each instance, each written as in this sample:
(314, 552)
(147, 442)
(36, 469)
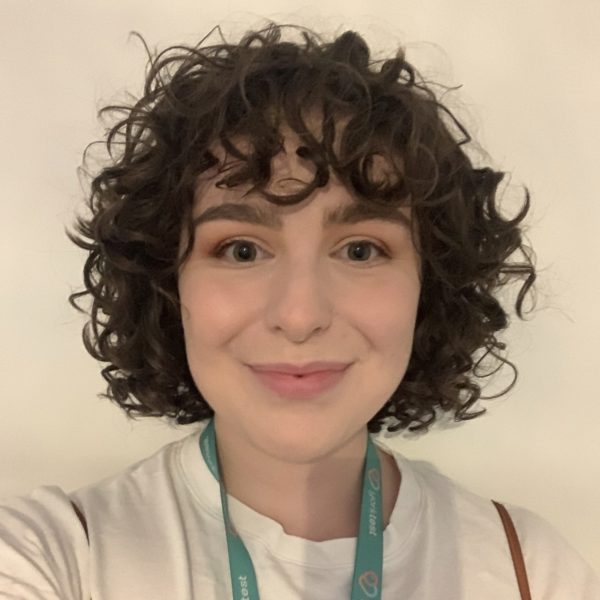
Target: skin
(301, 296)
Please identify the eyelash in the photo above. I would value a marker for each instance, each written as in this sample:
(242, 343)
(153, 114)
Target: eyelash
(219, 251)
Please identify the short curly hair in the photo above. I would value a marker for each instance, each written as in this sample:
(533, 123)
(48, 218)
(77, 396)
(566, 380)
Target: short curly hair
(195, 96)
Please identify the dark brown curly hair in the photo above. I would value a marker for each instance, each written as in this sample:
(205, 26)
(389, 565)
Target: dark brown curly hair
(196, 96)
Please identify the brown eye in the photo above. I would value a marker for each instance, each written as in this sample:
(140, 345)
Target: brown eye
(242, 249)
(361, 249)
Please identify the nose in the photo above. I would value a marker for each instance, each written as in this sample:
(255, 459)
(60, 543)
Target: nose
(299, 302)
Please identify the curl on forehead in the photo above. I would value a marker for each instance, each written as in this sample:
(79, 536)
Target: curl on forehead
(302, 159)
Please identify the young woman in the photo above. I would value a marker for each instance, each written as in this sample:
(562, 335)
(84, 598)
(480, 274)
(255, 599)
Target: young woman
(291, 249)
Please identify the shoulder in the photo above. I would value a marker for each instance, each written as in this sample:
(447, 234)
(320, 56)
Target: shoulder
(555, 569)
(138, 484)
(44, 549)
(42, 545)
(140, 505)
(552, 562)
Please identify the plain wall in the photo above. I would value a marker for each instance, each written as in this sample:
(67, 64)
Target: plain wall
(530, 97)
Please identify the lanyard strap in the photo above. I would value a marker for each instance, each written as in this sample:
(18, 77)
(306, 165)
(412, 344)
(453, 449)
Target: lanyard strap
(367, 580)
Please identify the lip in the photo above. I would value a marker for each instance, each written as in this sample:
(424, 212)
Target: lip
(308, 368)
(304, 387)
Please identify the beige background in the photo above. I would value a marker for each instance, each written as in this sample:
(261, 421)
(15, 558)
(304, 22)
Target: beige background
(530, 96)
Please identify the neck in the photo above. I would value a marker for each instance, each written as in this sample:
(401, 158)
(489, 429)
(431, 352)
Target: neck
(316, 499)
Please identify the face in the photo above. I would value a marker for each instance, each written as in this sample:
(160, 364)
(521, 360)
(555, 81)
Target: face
(252, 293)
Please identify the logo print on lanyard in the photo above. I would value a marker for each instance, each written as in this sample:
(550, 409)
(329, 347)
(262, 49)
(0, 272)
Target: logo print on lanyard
(369, 583)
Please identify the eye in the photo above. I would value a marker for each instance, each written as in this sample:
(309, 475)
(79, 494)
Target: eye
(357, 244)
(246, 250)
(246, 254)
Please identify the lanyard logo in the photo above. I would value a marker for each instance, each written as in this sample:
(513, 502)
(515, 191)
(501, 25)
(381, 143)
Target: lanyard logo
(374, 479)
(369, 583)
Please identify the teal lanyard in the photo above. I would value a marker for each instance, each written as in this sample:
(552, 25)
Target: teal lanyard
(367, 580)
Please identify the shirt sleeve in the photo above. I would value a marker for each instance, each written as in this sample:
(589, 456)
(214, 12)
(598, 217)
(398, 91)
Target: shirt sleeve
(555, 570)
(43, 549)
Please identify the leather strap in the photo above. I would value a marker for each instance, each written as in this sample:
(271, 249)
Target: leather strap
(515, 551)
(82, 519)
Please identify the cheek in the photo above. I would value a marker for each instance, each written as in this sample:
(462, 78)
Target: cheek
(391, 300)
(210, 313)
(387, 314)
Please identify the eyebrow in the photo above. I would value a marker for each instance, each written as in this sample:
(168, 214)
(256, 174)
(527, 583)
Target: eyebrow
(269, 216)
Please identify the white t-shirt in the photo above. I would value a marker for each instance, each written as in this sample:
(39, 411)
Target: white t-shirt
(156, 533)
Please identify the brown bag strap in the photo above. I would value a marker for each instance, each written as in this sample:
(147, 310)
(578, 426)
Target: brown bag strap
(515, 551)
(82, 519)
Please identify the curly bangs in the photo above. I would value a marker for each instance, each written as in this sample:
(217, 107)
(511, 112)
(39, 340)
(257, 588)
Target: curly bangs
(196, 97)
